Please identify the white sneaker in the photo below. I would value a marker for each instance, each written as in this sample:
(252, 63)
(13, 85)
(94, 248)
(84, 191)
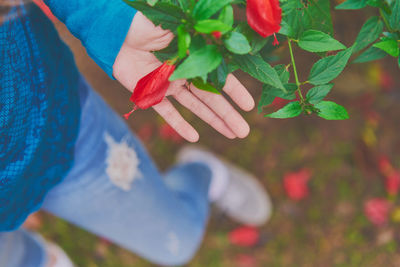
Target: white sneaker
(57, 256)
(236, 192)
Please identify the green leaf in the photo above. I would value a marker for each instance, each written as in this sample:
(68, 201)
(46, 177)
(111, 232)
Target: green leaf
(303, 15)
(206, 8)
(390, 46)
(291, 110)
(376, 3)
(370, 54)
(289, 95)
(394, 19)
(266, 99)
(226, 15)
(169, 52)
(218, 76)
(237, 43)
(352, 4)
(198, 64)
(183, 41)
(257, 42)
(152, 2)
(286, 29)
(184, 4)
(370, 31)
(318, 93)
(316, 41)
(205, 86)
(283, 73)
(328, 68)
(331, 111)
(259, 69)
(167, 15)
(197, 43)
(269, 93)
(211, 25)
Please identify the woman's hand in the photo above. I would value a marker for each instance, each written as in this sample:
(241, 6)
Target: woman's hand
(135, 60)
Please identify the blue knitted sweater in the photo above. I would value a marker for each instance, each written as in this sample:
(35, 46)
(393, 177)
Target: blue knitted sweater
(39, 101)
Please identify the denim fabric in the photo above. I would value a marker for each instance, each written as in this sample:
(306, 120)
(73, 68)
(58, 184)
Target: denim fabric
(159, 217)
(101, 25)
(22, 248)
(39, 112)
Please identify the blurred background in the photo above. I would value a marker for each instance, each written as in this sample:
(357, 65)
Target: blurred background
(334, 185)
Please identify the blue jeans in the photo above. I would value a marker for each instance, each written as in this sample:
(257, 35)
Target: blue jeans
(114, 190)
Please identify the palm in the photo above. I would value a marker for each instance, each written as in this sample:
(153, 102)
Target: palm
(135, 60)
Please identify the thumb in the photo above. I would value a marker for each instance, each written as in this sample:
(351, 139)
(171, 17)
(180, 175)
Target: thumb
(144, 35)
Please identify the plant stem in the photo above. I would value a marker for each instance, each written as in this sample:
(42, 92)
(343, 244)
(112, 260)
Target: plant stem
(385, 20)
(295, 70)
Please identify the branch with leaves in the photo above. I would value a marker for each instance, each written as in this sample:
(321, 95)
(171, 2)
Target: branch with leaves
(211, 43)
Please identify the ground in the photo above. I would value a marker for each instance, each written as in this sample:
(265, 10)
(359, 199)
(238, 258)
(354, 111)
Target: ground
(326, 228)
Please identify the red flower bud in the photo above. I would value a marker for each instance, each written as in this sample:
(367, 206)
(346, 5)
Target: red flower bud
(392, 183)
(275, 42)
(245, 236)
(217, 34)
(385, 166)
(151, 89)
(264, 16)
(377, 210)
(295, 184)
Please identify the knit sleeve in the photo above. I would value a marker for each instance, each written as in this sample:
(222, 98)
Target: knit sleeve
(101, 25)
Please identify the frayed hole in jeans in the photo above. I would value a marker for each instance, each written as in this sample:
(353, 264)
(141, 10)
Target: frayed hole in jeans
(122, 163)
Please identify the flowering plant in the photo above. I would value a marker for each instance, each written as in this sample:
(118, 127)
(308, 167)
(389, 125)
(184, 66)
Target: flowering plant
(210, 43)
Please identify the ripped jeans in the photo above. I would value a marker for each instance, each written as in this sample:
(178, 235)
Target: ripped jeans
(114, 190)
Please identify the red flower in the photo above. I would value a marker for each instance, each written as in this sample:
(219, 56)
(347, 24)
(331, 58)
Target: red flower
(279, 103)
(151, 89)
(217, 34)
(295, 184)
(245, 236)
(385, 166)
(392, 183)
(275, 42)
(168, 133)
(264, 16)
(377, 210)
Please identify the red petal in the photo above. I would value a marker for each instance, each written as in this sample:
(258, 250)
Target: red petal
(217, 35)
(377, 210)
(295, 184)
(126, 116)
(392, 183)
(276, 42)
(151, 89)
(244, 236)
(264, 16)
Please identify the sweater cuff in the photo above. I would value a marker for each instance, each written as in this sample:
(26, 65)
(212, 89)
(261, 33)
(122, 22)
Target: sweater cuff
(106, 36)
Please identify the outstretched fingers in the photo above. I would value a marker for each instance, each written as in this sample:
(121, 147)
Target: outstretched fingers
(221, 107)
(191, 102)
(238, 93)
(176, 121)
